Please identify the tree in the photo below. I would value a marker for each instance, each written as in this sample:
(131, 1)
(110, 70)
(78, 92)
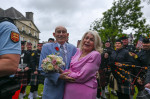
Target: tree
(123, 15)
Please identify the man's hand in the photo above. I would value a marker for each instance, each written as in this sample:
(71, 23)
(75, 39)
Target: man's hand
(35, 72)
(65, 76)
(119, 64)
(19, 70)
(140, 81)
(147, 85)
(26, 69)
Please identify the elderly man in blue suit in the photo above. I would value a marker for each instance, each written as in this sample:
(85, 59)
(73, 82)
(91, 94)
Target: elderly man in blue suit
(54, 82)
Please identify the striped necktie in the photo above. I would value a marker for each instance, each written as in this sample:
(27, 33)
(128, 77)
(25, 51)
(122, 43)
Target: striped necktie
(63, 53)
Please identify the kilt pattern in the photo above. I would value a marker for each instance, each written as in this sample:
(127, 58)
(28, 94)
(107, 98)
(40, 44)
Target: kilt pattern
(37, 79)
(102, 78)
(34, 79)
(23, 77)
(125, 88)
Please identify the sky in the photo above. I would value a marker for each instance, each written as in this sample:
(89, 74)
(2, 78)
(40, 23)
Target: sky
(75, 15)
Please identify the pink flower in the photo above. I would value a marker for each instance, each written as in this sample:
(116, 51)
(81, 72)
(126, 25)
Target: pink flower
(54, 62)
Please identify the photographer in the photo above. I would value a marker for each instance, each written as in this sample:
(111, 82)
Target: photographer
(10, 50)
(104, 69)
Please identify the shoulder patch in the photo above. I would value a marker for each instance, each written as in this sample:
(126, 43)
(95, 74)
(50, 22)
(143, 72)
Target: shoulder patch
(32, 54)
(14, 37)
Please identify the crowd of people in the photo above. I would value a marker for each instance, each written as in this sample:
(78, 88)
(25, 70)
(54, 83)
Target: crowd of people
(125, 67)
(89, 68)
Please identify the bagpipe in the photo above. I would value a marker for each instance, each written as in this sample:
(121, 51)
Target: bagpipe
(123, 69)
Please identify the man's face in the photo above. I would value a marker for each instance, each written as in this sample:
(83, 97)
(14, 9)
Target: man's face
(146, 46)
(39, 46)
(29, 47)
(61, 34)
(125, 41)
(22, 47)
(107, 44)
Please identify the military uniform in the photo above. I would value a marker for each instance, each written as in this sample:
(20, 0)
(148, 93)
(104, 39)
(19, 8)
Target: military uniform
(104, 75)
(34, 63)
(9, 44)
(121, 56)
(22, 75)
(143, 60)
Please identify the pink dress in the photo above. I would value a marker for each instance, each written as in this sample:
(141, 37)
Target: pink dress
(84, 71)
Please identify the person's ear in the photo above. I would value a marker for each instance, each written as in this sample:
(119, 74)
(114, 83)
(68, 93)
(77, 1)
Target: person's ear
(54, 34)
(68, 34)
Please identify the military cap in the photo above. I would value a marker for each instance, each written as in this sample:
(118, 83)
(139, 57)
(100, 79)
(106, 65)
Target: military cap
(124, 37)
(51, 39)
(40, 43)
(29, 43)
(119, 40)
(107, 41)
(146, 40)
(23, 42)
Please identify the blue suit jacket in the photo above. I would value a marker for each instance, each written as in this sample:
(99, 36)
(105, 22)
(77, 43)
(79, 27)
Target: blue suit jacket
(54, 87)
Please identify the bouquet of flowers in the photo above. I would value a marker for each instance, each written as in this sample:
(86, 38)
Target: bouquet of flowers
(52, 63)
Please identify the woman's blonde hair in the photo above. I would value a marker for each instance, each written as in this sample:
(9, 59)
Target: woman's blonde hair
(97, 41)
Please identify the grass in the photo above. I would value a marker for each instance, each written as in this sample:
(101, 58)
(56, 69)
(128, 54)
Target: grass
(40, 90)
(111, 96)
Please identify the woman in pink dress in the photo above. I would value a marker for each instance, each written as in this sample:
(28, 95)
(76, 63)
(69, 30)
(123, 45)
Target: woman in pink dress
(84, 65)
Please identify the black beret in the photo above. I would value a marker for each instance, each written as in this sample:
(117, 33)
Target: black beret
(119, 40)
(50, 39)
(23, 42)
(124, 37)
(107, 41)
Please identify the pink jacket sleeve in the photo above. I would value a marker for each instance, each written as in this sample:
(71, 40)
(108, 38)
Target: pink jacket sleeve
(89, 69)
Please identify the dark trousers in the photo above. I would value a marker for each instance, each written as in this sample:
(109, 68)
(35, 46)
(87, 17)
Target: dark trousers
(23, 89)
(122, 96)
(6, 97)
(34, 88)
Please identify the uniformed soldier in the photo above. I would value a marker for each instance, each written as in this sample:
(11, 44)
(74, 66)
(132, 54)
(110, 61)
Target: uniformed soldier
(34, 81)
(143, 60)
(104, 72)
(130, 48)
(122, 56)
(10, 50)
(24, 68)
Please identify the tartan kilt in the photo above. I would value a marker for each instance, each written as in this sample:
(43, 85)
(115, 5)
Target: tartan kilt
(102, 78)
(125, 87)
(23, 77)
(41, 79)
(34, 79)
(143, 95)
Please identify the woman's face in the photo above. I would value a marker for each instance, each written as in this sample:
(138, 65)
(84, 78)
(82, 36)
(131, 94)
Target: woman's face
(88, 43)
(118, 45)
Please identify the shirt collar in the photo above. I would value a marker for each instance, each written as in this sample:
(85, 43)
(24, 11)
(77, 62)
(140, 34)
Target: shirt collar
(64, 45)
